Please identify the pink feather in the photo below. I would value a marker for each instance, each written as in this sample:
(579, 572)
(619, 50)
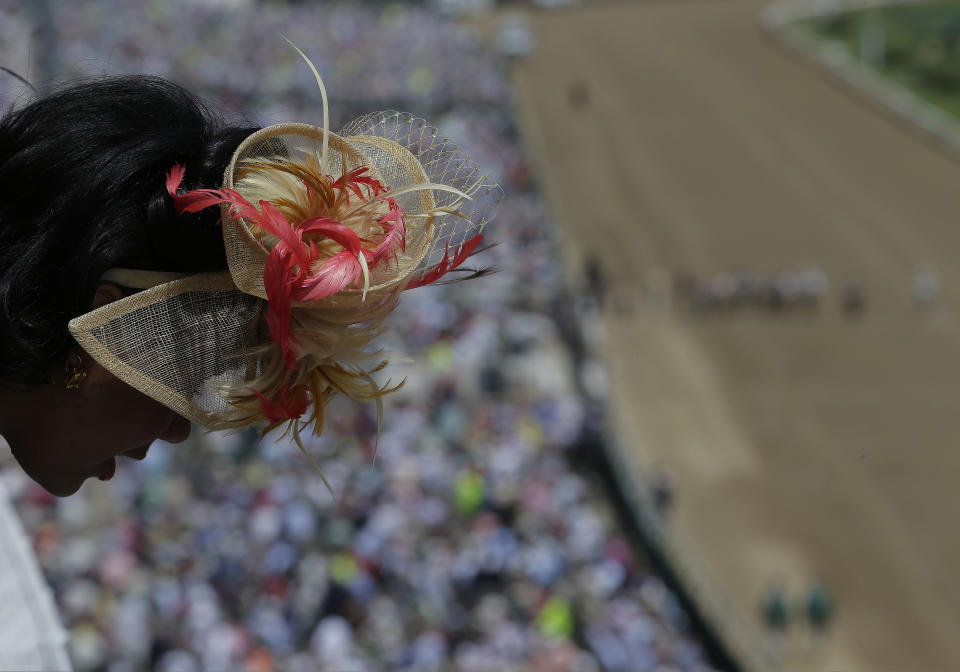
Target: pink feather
(239, 206)
(335, 231)
(191, 201)
(200, 199)
(396, 233)
(336, 274)
(447, 264)
(287, 406)
(174, 178)
(273, 222)
(277, 282)
(352, 180)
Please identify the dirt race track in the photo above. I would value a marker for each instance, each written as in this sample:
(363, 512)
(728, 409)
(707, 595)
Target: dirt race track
(802, 445)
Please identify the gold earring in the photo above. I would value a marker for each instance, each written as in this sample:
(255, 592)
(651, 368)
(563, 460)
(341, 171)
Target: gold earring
(74, 373)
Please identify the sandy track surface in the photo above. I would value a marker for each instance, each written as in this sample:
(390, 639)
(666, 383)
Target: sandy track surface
(803, 445)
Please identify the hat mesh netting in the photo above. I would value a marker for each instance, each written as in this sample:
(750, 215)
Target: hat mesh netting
(200, 343)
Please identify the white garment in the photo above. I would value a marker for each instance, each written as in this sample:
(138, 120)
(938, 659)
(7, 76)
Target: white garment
(31, 637)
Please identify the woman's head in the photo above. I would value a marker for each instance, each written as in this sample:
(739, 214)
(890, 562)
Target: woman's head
(82, 176)
(92, 180)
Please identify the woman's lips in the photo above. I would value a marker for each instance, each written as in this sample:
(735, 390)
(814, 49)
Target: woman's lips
(108, 469)
(177, 431)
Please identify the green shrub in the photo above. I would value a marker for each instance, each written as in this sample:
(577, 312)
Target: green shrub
(921, 44)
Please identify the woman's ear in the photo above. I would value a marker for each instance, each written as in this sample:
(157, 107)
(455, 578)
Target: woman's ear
(107, 292)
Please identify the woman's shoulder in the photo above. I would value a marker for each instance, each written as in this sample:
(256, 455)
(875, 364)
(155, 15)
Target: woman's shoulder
(32, 637)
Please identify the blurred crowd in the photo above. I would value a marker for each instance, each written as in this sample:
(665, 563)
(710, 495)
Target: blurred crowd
(467, 535)
(792, 288)
(371, 55)
(803, 288)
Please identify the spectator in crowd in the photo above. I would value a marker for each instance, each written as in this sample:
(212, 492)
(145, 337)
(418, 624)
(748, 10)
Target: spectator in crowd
(819, 609)
(854, 297)
(775, 612)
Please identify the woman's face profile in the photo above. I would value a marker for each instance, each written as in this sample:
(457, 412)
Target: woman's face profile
(61, 437)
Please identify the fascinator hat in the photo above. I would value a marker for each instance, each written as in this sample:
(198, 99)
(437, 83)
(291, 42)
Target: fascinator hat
(323, 233)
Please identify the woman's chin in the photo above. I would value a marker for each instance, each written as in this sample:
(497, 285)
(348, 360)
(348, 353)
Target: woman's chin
(59, 485)
(66, 483)
(67, 490)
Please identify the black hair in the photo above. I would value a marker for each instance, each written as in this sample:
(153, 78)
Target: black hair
(82, 190)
